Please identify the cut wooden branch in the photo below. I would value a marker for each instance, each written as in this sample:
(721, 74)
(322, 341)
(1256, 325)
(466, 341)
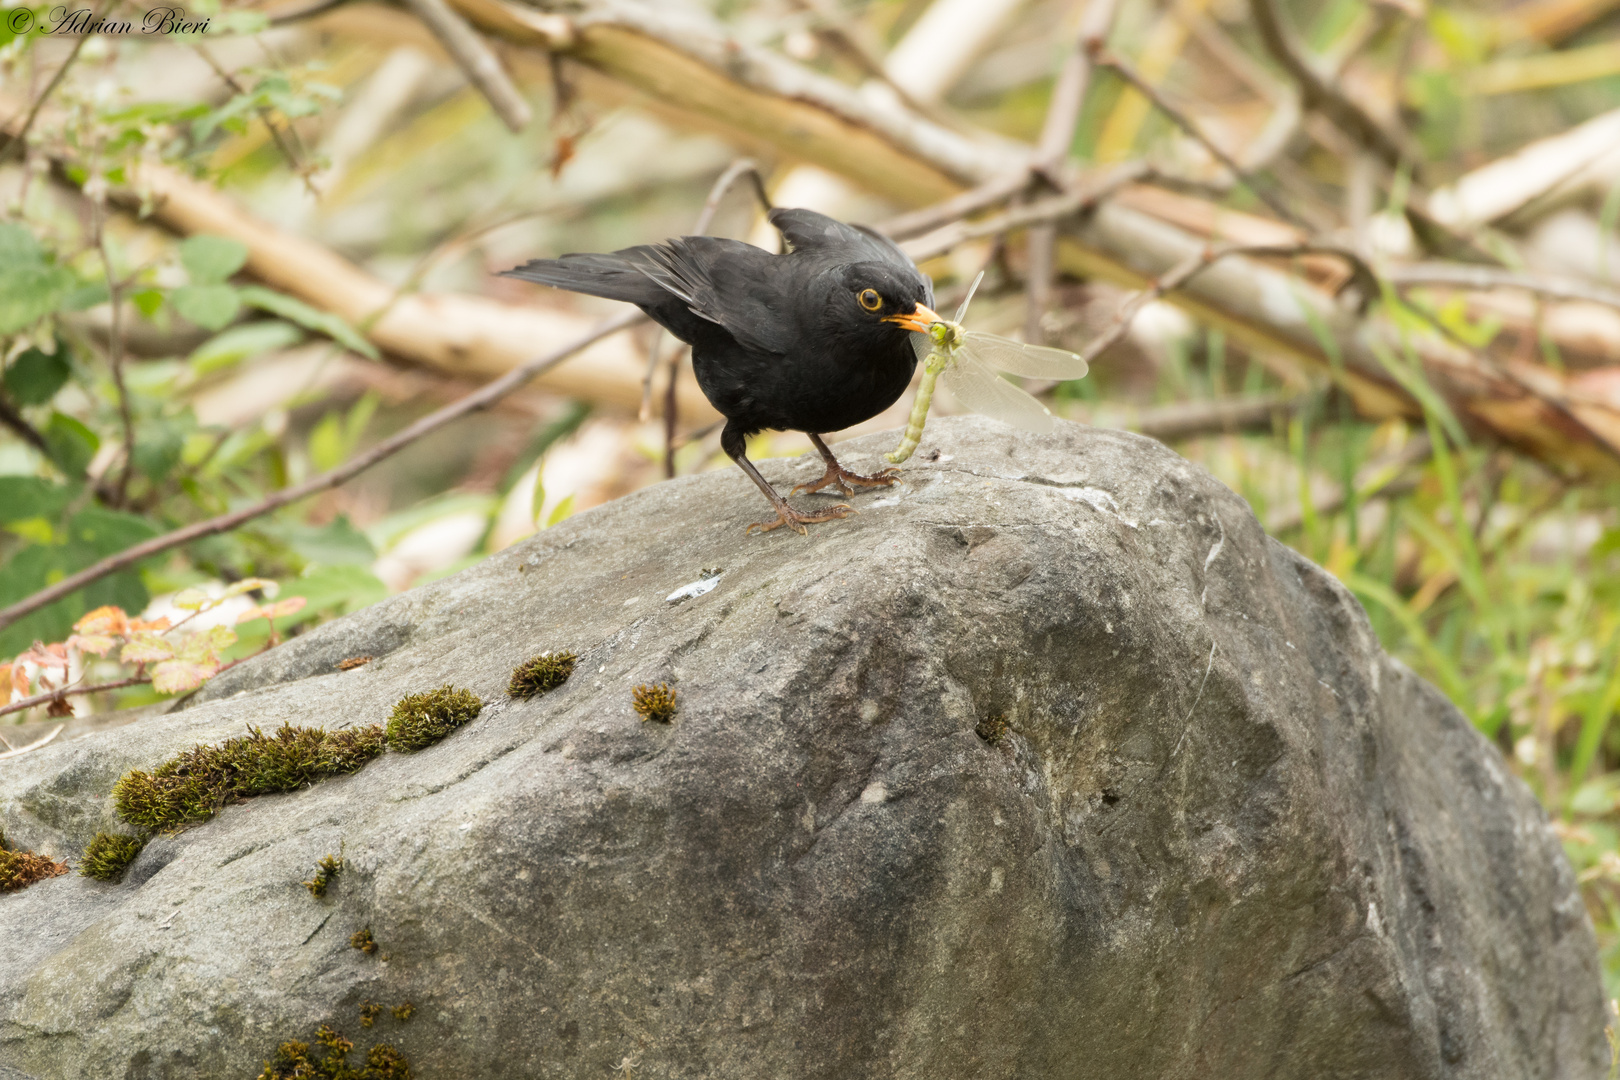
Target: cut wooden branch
(1470, 276)
(1495, 190)
(476, 61)
(460, 335)
(480, 399)
(758, 97)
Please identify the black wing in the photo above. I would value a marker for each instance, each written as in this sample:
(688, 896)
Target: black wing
(814, 234)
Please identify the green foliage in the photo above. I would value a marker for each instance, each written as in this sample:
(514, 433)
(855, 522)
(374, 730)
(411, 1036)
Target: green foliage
(108, 855)
(31, 285)
(420, 720)
(309, 318)
(210, 260)
(542, 673)
(35, 377)
(194, 785)
(654, 703)
(328, 868)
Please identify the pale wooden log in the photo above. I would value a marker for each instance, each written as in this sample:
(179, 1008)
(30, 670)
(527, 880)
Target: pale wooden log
(460, 335)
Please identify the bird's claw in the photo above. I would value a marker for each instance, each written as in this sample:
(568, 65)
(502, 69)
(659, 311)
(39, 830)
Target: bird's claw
(839, 477)
(797, 520)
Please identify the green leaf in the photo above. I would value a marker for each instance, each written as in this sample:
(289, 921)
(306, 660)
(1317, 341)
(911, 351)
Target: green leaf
(326, 443)
(86, 296)
(18, 247)
(29, 293)
(211, 259)
(232, 346)
(72, 444)
(209, 306)
(147, 301)
(92, 534)
(25, 497)
(337, 544)
(322, 322)
(35, 377)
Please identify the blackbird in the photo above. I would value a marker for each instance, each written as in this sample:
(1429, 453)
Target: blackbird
(815, 340)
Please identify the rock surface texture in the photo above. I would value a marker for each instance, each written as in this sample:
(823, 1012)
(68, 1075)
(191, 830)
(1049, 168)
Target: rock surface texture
(1224, 835)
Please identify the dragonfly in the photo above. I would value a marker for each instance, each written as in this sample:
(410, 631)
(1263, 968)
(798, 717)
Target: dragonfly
(968, 361)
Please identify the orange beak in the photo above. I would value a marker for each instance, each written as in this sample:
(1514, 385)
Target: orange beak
(919, 320)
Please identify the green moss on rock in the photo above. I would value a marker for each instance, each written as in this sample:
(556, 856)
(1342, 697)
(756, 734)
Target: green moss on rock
(325, 870)
(542, 673)
(328, 1059)
(420, 720)
(655, 703)
(109, 854)
(196, 784)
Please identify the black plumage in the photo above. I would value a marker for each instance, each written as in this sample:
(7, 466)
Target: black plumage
(813, 340)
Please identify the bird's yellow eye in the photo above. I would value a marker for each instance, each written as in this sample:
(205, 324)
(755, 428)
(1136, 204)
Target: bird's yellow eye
(869, 299)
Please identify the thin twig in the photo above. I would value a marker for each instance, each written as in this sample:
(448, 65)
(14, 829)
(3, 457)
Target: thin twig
(1318, 93)
(1124, 70)
(13, 418)
(671, 405)
(37, 743)
(20, 138)
(955, 208)
(115, 353)
(478, 400)
(1471, 276)
(1069, 92)
(1077, 201)
(474, 57)
(264, 114)
(67, 692)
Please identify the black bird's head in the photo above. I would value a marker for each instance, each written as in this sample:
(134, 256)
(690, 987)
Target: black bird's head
(881, 303)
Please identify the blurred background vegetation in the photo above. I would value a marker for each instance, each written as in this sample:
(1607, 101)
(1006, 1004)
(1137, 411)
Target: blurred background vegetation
(203, 239)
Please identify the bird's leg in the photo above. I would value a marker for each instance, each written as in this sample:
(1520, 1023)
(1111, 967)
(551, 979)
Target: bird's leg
(839, 477)
(732, 442)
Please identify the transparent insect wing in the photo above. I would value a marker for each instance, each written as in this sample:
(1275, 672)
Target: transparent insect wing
(922, 345)
(968, 299)
(1016, 358)
(978, 388)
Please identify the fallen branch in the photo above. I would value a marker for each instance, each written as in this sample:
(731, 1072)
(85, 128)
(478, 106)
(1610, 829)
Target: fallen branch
(474, 402)
(23, 704)
(1469, 276)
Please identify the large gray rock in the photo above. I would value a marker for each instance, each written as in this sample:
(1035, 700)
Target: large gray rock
(1227, 836)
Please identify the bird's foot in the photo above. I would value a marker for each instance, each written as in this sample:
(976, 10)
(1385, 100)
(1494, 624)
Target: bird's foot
(797, 520)
(839, 477)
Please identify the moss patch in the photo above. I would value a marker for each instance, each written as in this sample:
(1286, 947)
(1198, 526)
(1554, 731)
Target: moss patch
(197, 783)
(655, 703)
(423, 719)
(992, 729)
(404, 1012)
(20, 869)
(328, 1059)
(362, 940)
(108, 855)
(541, 673)
(325, 870)
(369, 1013)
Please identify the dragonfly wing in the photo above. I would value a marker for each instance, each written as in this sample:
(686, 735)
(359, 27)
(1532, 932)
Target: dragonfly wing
(922, 345)
(1016, 358)
(978, 388)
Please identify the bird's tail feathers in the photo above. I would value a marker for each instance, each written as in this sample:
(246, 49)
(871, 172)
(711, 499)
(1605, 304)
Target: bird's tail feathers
(614, 277)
